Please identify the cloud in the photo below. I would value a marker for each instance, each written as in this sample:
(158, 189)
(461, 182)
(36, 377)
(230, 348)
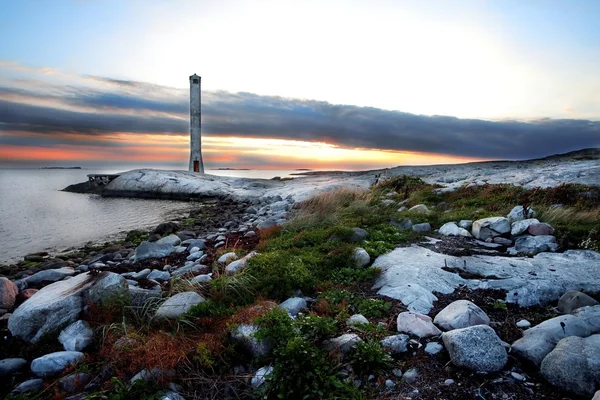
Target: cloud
(97, 106)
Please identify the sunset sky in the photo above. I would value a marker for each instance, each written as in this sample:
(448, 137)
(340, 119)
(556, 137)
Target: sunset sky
(321, 84)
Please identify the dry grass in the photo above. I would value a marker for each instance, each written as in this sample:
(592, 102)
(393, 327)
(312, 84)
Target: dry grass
(568, 215)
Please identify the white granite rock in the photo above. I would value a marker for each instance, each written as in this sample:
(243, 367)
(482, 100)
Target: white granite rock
(451, 229)
(294, 305)
(461, 314)
(520, 227)
(361, 257)
(490, 227)
(518, 214)
(416, 324)
(77, 336)
(395, 344)
(476, 347)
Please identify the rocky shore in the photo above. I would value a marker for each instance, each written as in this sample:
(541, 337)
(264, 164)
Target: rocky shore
(361, 285)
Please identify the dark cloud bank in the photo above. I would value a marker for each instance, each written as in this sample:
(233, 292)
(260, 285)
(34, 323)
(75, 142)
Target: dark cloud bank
(156, 109)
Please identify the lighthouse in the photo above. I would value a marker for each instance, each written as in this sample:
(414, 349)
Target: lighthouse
(196, 164)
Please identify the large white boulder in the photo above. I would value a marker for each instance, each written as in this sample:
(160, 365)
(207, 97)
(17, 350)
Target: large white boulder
(451, 229)
(461, 314)
(476, 347)
(490, 227)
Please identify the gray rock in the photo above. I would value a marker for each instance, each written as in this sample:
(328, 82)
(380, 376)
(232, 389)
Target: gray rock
(476, 347)
(143, 274)
(154, 374)
(540, 228)
(77, 336)
(416, 324)
(411, 376)
(8, 293)
(502, 241)
(148, 250)
(191, 243)
(451, 229)
(221, 238)
(50, 275)
(518, 214)
(433, 348)
(74, 383)
(195, 255)
(357, 320)
(520, 227)
(395, 344)
(490, 227)
(523, 324)
(596, 395)
(449, 382)
(244, 334)
(419, 208)
(201, 278)
(249, 234)
(240, 264)
(178, 304)
(9, 366)
(171, 395)
(424, 227)
(294, 305)
(402, 224)
(461, 314)
(261, 375)
(465, 224)
(159, 276)
(55, 363)
(532, 245)
(358, 235)
(518, 377)
(141, 297)
(574, 299)
(388, 202)
(109, 287)
(574, 365)
(361, 257)
(219, 244)
(227, 258)
(343, 343)
(539, 341)
(28, 386)
(173, 240)
(397, 372)
(389, 384)
(190, 269)
(267, 224)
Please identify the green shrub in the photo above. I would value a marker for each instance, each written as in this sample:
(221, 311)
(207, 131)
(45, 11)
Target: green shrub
(373, 307)
(351, 276)
(210, 309)
(316, 328)
(369, 357)
(276, 326)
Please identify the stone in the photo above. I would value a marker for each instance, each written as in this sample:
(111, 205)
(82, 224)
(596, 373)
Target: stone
(8, 293)
(191, 269)
(227, 258)
(173, 240)
(141, 297)
(502, 241)
(537, 342)
(389, 384)
(28, 386)
(77, 336)
(148, 250)
(477, 348)
(143, 274)
(361, 257)
(519, 213)
(171, 395)
(424, 227)
(388, 202)
(395, 344)
(109, 288)
(449, 382)
(402, 224)
(294, 305)
(461, 314)
(195, 255)
(245, 335)
(596, 395)
(159, 276)
(9, 366)
(465, 224)
(343, 343)
(419, 208)
(201, 278)
(198, 243)
(357, 320)
(451, 229)
(50, 275)
(490, 227)
(249, 234)
(219, 244)
(523, 324)
(532, 245)
(518, 377)
(540, 229)
(433, 348)
(154, 374)
(26, 294)
(54, 363)
(358, 235)
(411, 376)
(260, 377)
(74, 383)
(416, 324)
(397, 372)
(267, 224)
(240, 264)
(166, 228)
(520, 227)
(574, 299)
(178, 305)
(574, 365)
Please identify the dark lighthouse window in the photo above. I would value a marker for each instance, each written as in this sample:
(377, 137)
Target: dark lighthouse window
(195, 80)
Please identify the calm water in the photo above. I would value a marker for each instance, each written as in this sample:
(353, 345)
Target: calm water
(36, 216)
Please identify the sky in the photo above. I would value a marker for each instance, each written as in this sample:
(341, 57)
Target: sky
(297, 84)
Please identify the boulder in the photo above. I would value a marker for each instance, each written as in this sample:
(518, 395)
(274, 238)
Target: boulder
(244, 334)
(424, 227)
(433, 348)
(465, 224)
(240, 264)
(159, 276)
(343, 343)
(74, 383)
(357, 320)
(29, 385)
(8, 293)
(574, 299)
(77, 336)
(173, 240)
(148, 250)
(227, 258)
(259, 378)
(166, 228)
(178, 304)
(574, 365)
(9, 366)
(294, 305)
(202, 278)
(477, 348)
(520, 227)
(50, 275)
(141, 297)
(532, 245)
(266, 224)
(190, 269)
(419, 208)
(191, 243)
(109, 288)
(416, 324)
(451, 229)
(461, 314)
(540, 229)
(361, 257)
(490, 227)
(519, 213)
(54, 363)
(395, 344)
(358, 235)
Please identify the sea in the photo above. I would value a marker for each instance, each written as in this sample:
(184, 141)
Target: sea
(35, 215)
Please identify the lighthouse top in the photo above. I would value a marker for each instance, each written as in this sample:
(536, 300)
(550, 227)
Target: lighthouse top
(195, 79)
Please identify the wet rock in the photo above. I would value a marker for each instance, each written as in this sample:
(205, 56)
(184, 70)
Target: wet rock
(166, 228)
(361, 257)
(574, 299)
(178, 304)
(461, 314)
(476, 347)
(294, 305)
(8, 293)
(416, 324)
(490, 227)
(55, 363)
(77, 336)
(9, 366)
(395, 344)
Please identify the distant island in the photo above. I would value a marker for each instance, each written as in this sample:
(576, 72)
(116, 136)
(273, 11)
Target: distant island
(59, 168)
(231, 169)
(303, 169)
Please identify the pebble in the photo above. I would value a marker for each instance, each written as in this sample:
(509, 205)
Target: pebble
(523, 323)
(216, 246)
(397, 372)
(517, 376)
(390, 384)
(449, 382)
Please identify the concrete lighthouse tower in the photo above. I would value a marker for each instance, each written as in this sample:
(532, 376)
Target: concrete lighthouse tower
(196, 164)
